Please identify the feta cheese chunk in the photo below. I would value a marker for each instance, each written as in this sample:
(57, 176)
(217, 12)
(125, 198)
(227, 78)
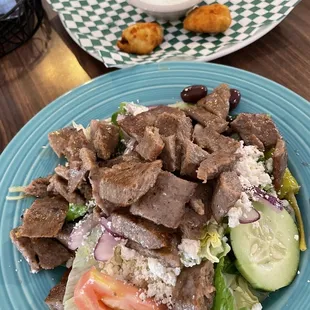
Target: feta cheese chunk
(250, 169)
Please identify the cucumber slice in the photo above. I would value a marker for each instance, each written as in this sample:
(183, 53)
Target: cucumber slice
(267, 251)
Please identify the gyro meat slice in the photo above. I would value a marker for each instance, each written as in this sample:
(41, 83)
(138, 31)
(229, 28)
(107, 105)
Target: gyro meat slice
(88, 158)
(95, 178)
(105, 138)
(217, 102)
(44, 218)
(212, 141)
(135, 126)
(142, 231)
(40, 253)
(59, 140)
(171, 124)
(59, 186)
(227, 191)
(54, 300)
(125, 183)
(215, 164)
(50, 252)
(151, 145)
(167, 256)
(194, 288)
(192, 224)
(207, 119)
(24, 246)
(257, 129)
(169, 154)
(38, 187)
(201, 199)
(191, 159)
(164, 204)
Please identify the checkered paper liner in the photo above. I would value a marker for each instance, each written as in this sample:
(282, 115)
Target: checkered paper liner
(98, 24)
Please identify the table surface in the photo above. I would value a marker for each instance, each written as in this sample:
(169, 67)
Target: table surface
(51, 63)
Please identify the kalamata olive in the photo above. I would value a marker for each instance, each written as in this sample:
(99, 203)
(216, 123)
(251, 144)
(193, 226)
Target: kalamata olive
(234, 99)
(194, 93)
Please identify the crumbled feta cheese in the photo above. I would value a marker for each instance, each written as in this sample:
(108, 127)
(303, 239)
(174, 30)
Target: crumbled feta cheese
(134, 109)
(257, 306)
(127, 253)
(241, 208)
(251, 171)
(296, 237)
(129, 265)
(168, 275)
(188, 250)
(244, 203)
(91, 204)
(269, 165)
(234, 215)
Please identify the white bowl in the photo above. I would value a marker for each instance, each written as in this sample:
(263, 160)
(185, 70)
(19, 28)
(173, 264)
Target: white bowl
(165, 9)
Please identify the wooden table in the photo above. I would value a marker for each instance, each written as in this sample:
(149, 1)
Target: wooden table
(51, 63)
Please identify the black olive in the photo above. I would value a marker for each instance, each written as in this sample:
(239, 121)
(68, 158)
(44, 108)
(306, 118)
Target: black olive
(234, 99)
(192, 94)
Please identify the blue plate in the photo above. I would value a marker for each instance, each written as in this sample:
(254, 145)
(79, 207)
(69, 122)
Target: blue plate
(26, 158)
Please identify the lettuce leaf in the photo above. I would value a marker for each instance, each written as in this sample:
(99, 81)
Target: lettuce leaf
(84, 260)
(213, 243)
(75, 211)
(232, 290)
(121, 111)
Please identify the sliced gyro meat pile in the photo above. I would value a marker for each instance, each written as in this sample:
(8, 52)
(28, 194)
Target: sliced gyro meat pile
(36, 237)
(178, 176)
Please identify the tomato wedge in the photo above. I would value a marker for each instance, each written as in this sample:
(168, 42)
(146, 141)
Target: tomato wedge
(98, 291)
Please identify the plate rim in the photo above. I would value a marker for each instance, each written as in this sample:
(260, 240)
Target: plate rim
(141, 67)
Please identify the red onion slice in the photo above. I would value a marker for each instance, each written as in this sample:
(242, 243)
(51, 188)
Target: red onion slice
(268, 199)
(104, 249)
(81, 229)
(251, 217)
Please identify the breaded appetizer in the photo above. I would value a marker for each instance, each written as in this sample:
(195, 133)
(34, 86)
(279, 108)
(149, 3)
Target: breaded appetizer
(212, 18)
(141, 38)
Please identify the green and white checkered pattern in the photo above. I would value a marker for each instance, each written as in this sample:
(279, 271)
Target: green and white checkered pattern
(98, 24)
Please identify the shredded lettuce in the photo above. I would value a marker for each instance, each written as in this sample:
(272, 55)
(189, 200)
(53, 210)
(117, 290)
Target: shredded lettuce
(213, 243)
(75, 211)
(84, 260)
(121, 111)
(212, 246)
(232, 290)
